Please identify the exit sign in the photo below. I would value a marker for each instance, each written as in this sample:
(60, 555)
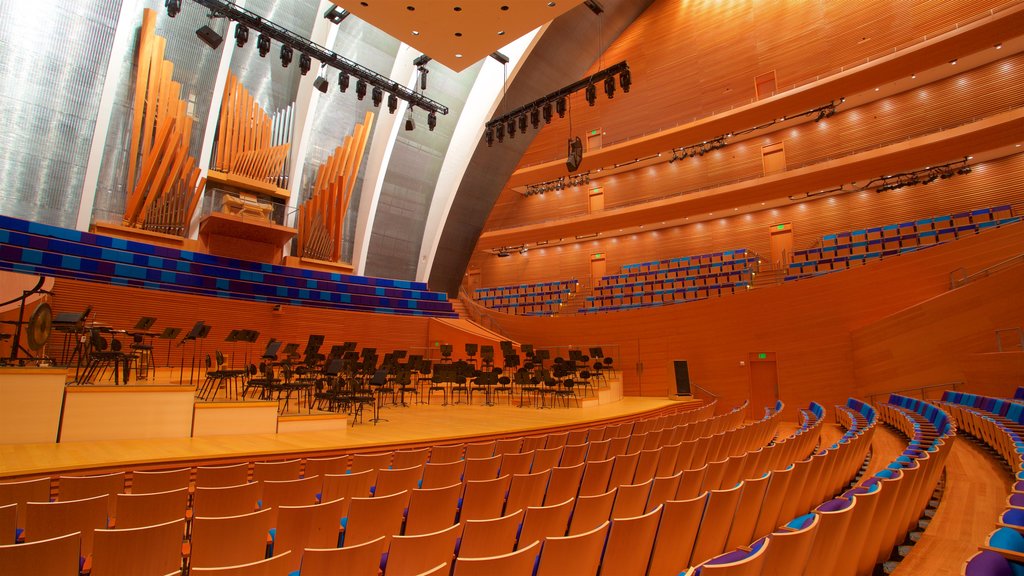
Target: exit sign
(593, 132)
(762, 356)
(780, 227)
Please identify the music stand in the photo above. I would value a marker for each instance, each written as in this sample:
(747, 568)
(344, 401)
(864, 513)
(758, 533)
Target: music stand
(596, 353)
(336, 351)
(71, 323)
(270, 352)
(144, 323)
(169, 334)
(192, 335)
(527, 350)
(539, 356)
(249, 337)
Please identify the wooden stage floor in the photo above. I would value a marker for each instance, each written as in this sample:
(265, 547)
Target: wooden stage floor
(407, 425)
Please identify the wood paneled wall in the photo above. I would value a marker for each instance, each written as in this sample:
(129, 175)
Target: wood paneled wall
(693, 58)
(948, 102)
(989, 184)
(809, 325)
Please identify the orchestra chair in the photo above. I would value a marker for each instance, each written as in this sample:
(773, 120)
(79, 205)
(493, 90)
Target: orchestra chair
(230, 540)
(45, 520)
(591, 511)
(152, 549)
(277, 471)
(79, 487)
(540, 522)
(138, 510)
(564, 483)
(629, 544)
(578, 554)
(221, 476)
(324, 466)
(484, 499)
(491, 537)
(369, 518)
(359, 560)
(58, 556)
(146, 481)
(21, 492)
(443, 474)
(226, 500)
(273, 566)
(677, 532)
(414, 554)
(518, 563)
(447, 453)
(432, 509)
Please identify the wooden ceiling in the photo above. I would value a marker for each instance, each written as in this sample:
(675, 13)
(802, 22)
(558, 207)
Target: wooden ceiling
(457, 33)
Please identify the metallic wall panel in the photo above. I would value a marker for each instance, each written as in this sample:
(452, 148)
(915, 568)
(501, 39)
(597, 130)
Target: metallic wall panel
(337, 113)
(195, 67)
(556, 60)
(53, 59)
(412, 176)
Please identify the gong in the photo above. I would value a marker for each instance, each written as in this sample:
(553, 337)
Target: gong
(39, 325)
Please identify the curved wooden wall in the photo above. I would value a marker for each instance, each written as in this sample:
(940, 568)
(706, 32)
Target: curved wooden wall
(818, 329)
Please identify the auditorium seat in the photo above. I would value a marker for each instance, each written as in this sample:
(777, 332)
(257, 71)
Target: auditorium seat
(735, 563)
(409, 458)
(358, 560)
(748, 508)
(484, 498)
(221, 476)
(21, 492)
(310, 526)
(540, 522)
(483, 468)
(443, 474)
(591, 511)
(447, 453)
(518, 563)
(545, 459)
(369, 518)
(631, 500)
(526, 490)
(415, 554)
(715, 524)
(394, 480)
(80, 487)
(630, 541)
(577, 554)
(324, 466)
(46, 520)
(146, 509)
(596, 476)
(284, 470)
(57, 556)
(226, 500)
(154, 549)
(432, 509)
(355, 485)
(987, 563)
(230, 540)
(564, 483)
(491, 536)
(146, 481)
(273, 566)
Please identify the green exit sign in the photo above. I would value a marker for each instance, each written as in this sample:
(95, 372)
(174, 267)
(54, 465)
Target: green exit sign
(762, 356)
(593, 132)
(598, 255)
(780, 227)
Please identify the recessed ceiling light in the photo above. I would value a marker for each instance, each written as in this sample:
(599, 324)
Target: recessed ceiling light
(913, 76)
(363, 4)
(877, 89)
(410, 8)
(457, 8)
(953, 62)
(458, 55)
(415, 32)
(504, 7)
(999, 46)
(551, 4)
(458, 34)
(501, 32)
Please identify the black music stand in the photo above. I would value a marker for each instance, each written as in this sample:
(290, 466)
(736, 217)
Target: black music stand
(596, 354)
(73, 326)
(290, 350)
(539, 356)
(249, 337)
(488, 380)
(270, 353)
(192, 335)
(144, 323)
(169, 334)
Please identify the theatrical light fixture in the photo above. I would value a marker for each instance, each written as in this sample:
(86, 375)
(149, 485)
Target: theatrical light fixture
(489, 137)
(377, 95)
(410, 122)
(360, 89)
(173, 7)
(697, 149)
(558, 184)
(423, 77)
(559, 99)
(511, 127)
(335, 14)
(392, 103)
(342, 81)
(241, 35)
(307, 50)
(209, 36)
(499, 131)
(924, 176)
(321, 84)
(522, 123)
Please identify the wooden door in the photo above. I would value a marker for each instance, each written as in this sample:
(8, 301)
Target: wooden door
(764, 383)
(773, 158)
(594, 139)
(782, 245)
(596, 200)
(598, 268)
(764, 85)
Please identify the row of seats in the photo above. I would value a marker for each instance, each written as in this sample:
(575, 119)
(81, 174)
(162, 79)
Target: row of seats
(681, 272)
(657, 284)
(543, 299)
(684, 261)
(799, 270)
(31, 247)
(907, 229)
(998, 423)
(661, 297)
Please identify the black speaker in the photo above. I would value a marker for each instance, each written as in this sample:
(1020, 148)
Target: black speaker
(575, 154)
(682, 378)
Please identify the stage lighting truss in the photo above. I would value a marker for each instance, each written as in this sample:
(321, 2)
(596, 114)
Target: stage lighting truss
(291, 42)
(558, 184)
(923, 176)
(542, 107)
(700, 149)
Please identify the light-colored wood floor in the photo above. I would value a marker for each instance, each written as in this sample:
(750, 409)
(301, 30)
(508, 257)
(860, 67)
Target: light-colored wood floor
(419, 423)
(975, 495)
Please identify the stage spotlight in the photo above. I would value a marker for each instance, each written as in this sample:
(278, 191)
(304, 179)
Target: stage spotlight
(173, 7)
(286, 55)
(511, 128)
(535, 118)
(321, 84)
(377, 95)
(263, 45)
(335, 14)
(392, 103)
(609, 87)
(625, 80)
(522, 123)
(360, 89)
(210, 37)
(423, 77)
(241, 35)
(431, 121)
(560, 106)
(499, 131)
(342, 81)
(547, 112)
(305, 62)
(489, 137)
(964, 170)
(591, 94)
(410, 122)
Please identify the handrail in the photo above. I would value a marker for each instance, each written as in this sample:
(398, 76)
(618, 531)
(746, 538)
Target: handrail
(956, 281)
(921, 389)
(705, 390)
(477, 316)
(1020, 337)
